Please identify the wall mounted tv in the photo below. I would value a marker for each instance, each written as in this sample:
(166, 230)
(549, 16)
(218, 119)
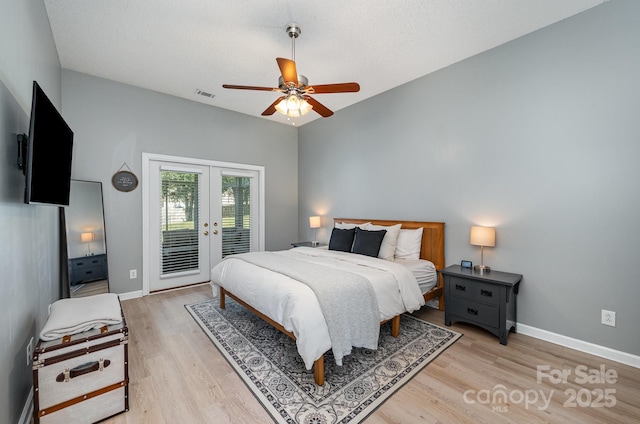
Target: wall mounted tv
(46, 153)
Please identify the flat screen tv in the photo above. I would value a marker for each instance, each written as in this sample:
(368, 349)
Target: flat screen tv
(48, 153)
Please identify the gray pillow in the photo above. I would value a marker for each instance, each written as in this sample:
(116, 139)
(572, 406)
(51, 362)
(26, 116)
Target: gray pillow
(368, 242)
(341, 240)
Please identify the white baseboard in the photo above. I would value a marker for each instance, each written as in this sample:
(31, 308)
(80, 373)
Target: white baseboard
(587, 347)
(27, 411)
(130, 295)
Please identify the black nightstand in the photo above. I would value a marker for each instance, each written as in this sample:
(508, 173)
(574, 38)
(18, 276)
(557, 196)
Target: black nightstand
(487, 300)
(87, 268)
(307, 244)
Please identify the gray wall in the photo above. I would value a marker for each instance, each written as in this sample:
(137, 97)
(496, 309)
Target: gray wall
(29, 237)
(115, 123)
(538, 137)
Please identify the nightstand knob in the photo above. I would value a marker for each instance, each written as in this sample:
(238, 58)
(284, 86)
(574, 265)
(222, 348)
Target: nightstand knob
(461, 287)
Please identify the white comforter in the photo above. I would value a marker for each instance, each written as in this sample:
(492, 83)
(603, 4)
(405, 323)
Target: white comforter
(294, 306)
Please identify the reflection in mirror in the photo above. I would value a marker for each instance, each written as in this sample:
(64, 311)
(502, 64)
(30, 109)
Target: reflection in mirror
(86, 243)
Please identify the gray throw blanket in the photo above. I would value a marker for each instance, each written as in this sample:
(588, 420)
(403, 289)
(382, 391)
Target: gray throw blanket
(346, 299)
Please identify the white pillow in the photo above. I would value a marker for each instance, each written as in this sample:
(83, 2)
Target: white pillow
(388, 246)
(409, 244)
(347, 226)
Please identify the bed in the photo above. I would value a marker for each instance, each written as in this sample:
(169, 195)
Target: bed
(296, 309)
(431, 249)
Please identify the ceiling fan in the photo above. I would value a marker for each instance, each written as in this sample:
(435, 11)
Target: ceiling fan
(296, 100)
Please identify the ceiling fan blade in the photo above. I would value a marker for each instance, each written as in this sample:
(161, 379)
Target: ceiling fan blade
(272, 109)
(288, 70)
(347, 87)
(319, 107)
(249, 87)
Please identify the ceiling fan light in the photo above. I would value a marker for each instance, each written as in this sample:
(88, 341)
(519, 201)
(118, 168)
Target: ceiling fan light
(293, 106)
(293, 102)
(282, 107)
(305, 107)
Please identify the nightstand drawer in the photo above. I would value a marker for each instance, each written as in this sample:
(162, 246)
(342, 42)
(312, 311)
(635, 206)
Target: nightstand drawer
(475, 290)
(88, 268)
(88, 262)
(475, 312)
(89, 273)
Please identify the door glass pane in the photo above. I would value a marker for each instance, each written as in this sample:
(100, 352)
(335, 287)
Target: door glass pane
(179, 221)
(236, 215)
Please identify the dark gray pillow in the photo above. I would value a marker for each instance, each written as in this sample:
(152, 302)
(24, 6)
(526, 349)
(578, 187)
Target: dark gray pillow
(341, 239)
(368, 242)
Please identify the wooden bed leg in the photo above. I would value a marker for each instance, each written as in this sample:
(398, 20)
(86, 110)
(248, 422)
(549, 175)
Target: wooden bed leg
(318, 371)
(222, 299)
(395, 326)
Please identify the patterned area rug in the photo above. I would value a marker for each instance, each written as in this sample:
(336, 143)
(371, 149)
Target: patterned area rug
(268, 362)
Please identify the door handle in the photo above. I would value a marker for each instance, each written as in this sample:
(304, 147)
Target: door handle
(206, 233)
(215, 231)
(206, 224)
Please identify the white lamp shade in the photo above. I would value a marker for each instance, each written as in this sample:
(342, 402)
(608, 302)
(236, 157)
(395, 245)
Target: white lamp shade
(483, 236)
(86, 237)
(314, 222)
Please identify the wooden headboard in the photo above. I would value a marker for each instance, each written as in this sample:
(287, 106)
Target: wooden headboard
(432, 236)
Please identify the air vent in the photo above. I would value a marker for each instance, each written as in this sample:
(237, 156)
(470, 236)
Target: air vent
(204, 93)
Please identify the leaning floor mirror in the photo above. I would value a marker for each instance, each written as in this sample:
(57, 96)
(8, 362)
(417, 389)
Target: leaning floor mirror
(84, 243)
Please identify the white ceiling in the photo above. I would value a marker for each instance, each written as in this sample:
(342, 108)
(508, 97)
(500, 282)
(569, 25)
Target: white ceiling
(177, 47)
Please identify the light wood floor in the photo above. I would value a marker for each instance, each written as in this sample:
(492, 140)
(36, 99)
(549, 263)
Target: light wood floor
(91, 289)
(178, 376)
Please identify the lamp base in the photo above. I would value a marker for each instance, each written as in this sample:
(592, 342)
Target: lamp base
(482, 269)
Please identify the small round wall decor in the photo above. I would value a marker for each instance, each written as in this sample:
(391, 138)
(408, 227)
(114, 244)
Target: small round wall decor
(124, 180)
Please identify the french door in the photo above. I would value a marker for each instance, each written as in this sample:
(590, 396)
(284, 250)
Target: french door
(198, 213)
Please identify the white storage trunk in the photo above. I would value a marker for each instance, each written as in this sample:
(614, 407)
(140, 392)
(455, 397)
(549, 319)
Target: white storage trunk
(82, 378)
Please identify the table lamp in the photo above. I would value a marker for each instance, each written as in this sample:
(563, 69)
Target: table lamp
(482, 236)
(87, 238)
(314, 222)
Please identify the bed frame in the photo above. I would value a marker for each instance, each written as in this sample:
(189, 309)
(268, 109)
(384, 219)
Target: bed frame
(432, 250)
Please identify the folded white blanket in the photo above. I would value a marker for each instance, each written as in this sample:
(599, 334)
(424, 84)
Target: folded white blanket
(72, 316)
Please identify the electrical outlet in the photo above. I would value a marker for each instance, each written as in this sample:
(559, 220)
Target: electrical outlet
(608, 318)
(133, 273)
(29, 351)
